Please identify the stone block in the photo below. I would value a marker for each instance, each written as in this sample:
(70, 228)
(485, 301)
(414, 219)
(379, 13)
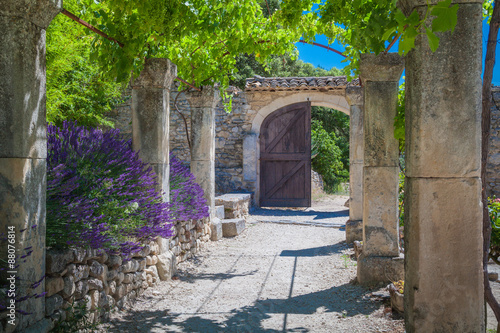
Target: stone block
(381, 67)
(142, 263)
(53, 285)
(374, 270)
(380, 211)
(204, 171)
(216, 229)
(57, 260)
(150, 124)
(380, 146)
(114, 261)
(129, 278)
(236, 205)
(81, 289)
(443, 132)
(130, 266)
(356, 135)
(80, 254)
(98, 271)
(163, 244)
(95, 284)
(232, 227)
(94, 299)
(203, 132)
(69, 286)
(250, 157)
(356, 191)
(22, 205)
(353, 231)
(53, 303)
(166, 266)
(219, 212)
(444, 275)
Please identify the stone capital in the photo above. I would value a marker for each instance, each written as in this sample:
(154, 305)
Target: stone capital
(209, 96)
(381, 67)
(407, 6)
(157, 73)
(354, 95)
(38, 12)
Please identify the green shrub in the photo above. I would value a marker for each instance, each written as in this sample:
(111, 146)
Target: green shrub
(494, 211)
(326, 157)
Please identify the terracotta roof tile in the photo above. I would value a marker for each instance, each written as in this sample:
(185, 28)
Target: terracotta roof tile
(298, 83)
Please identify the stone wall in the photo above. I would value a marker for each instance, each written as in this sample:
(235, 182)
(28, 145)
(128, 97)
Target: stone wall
(231, 128)
(100, 282)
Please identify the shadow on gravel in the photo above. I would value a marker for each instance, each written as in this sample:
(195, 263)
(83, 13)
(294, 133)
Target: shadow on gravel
(346, 300)
(191, 278)
(318, 215)
(315, 251)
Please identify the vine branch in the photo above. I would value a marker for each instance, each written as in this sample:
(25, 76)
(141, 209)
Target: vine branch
(90, 26)
(323, 46)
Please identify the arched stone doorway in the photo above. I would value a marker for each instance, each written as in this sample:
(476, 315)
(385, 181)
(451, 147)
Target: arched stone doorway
(266, 100)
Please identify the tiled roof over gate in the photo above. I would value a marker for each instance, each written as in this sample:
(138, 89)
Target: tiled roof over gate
(322, 83)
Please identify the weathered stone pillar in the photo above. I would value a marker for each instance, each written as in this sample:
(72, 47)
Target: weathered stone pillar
(150, 117)
(203, 141)
(354, 227)
(443, 212)
(23, 148)
(380, 261)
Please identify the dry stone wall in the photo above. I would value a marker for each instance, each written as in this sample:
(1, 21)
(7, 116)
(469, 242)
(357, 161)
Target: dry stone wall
(99, 282)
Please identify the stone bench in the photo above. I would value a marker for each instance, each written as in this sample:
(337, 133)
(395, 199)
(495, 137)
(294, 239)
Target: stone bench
(236, 205)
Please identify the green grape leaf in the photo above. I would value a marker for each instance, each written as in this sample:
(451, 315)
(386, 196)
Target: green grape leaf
(445, 16)
(433, 39)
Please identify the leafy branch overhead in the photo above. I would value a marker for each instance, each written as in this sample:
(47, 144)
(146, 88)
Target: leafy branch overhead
(203, 37)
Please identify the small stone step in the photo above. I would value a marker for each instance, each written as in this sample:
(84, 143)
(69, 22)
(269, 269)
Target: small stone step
(236, 205)
(216, 226)
(232, 227)
(219, 212)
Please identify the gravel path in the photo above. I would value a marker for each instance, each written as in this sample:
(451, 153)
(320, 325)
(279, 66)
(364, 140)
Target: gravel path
(271, 278)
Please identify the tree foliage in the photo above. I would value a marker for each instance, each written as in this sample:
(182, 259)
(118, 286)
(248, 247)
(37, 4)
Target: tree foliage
(76, 89)
(202, 37)
(326, 157)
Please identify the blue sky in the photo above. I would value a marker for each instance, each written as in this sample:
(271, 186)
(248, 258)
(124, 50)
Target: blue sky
(328, 59)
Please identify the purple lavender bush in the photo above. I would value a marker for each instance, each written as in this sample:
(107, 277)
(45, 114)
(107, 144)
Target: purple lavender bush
(99, 193)
(186, 196)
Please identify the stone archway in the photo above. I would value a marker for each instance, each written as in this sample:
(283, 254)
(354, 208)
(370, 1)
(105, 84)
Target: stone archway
(266, 100)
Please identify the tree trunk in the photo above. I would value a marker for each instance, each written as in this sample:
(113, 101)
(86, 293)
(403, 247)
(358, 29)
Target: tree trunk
(486, 122)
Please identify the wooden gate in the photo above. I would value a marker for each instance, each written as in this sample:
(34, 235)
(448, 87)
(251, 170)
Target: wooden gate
(285, 157)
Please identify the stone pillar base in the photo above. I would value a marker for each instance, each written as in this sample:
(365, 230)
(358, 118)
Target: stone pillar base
(373, 270)
(216, 227)
(353, 231)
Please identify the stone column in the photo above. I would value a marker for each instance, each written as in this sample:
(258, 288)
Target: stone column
(150, 117)
(443, 222)
(354, 227)
(23, 147)
(380, 261)
(203, 106)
